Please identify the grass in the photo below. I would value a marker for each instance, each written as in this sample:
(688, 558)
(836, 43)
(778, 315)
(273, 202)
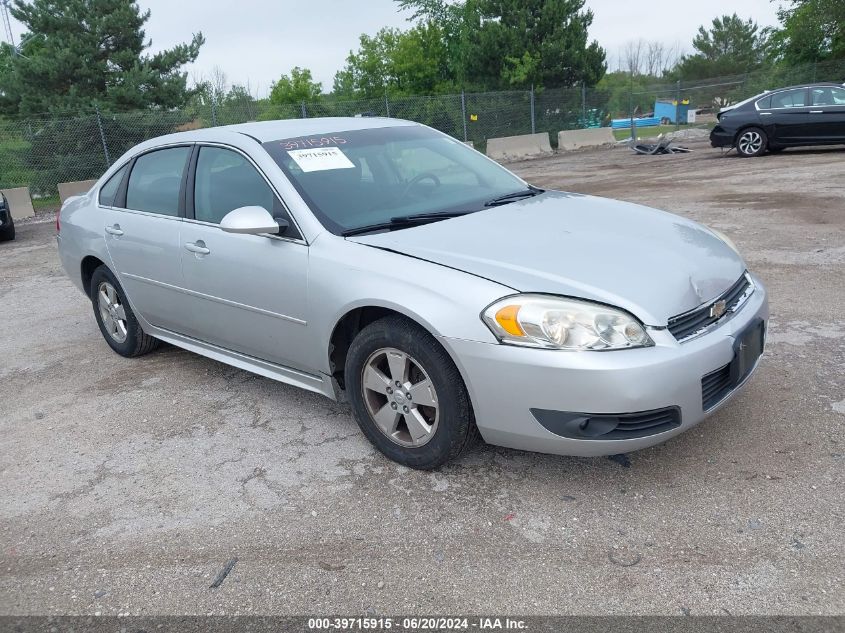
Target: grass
(47, 203)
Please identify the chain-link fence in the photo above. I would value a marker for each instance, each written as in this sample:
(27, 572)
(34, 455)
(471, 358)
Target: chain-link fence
(42, 152)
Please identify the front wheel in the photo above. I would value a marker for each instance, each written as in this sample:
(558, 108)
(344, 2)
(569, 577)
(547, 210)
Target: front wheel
(751, 142)
(407, 395)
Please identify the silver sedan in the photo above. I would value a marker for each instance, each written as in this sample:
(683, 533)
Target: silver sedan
(387, 264)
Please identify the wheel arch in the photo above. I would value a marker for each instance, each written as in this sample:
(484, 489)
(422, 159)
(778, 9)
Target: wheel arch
(356, 318)
(89, 264)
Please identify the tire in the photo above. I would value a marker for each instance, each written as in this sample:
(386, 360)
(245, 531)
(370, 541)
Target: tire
(378, 354)
(8, 234)
(750, 142)
(118, 324)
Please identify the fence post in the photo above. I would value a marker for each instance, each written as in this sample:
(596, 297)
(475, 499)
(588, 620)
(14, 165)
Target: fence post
(533, 125)
(678, 105)
(213, 112)
(387, 105)
(583, 104)
(304, 111)
(631, 108)
(102, 136)
(464, 113)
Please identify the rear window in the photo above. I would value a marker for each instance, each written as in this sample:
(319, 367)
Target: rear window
(156, 180)
(790, 99)
(109, 190)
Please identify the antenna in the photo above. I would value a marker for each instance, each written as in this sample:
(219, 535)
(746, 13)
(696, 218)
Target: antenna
(7, 24)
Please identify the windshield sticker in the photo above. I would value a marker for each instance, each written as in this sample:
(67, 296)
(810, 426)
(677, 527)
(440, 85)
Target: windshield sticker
(320, 159)
(305, 143)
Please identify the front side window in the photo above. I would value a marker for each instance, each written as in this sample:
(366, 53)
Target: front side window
(109, 190)
(225, 181)
(362, 178)
(156, 180)
(790, 99)
(828, 96)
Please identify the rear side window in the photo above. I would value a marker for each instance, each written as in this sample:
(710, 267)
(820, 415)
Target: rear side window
(765, 103)
(156, 180)
(109, 190)
(790, 99)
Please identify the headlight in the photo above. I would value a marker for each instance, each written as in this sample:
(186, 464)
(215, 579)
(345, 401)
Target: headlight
(558, 323)
(725, 239)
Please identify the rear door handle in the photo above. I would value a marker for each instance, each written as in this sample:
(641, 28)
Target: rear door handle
(197, 247)
(114, 230)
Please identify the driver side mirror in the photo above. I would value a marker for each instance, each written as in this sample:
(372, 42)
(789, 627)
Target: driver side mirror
(250, 221)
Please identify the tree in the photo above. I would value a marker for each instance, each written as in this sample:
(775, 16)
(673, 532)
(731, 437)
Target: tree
(81, 53)
(297, 87)
(519, 43)
(397, 63)
(812, 31)
(730, 47)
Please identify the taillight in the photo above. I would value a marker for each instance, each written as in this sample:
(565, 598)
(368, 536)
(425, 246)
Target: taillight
(58, 222)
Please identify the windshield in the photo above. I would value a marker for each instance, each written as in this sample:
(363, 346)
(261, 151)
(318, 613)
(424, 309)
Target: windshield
(363, 178)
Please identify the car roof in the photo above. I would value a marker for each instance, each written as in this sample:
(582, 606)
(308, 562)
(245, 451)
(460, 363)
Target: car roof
(265, 131)
(817, 84)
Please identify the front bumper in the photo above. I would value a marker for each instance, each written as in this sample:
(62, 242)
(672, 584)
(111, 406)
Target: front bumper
(721, 137)
(505, 382)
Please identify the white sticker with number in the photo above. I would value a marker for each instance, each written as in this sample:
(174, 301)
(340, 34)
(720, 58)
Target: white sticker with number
(320, 159)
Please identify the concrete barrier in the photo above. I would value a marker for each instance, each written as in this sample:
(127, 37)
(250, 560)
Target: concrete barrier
(68, 189)
(519, 147)
(593, 137)
(20, 204)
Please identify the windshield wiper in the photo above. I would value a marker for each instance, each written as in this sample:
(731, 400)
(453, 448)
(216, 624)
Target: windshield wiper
(401, 221)
(516, 195)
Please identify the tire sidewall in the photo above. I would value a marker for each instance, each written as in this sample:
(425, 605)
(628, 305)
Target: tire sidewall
(134, 333)
(455, 414)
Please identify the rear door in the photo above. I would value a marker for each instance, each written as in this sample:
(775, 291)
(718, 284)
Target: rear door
(248, 292)
(785, 116)
(142, 233)
(827, 114)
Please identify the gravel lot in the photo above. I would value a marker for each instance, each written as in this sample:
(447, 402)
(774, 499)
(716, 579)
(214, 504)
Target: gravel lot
(128, 485)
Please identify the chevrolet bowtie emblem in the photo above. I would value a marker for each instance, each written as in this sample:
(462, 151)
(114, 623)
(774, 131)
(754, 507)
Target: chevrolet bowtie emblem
(718, 309)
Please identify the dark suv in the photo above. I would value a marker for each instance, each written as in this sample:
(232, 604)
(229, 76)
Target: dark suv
(7, 224)
(786, 117)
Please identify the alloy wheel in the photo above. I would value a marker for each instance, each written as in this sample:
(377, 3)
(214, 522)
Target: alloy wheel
(750, 142)
(112, 312)
(400, 397)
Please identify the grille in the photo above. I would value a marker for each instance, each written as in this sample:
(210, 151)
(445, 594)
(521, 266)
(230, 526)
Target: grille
(715, 386)
(690, 323)
(622, 426)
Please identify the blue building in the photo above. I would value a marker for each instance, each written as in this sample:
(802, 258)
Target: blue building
(671, 110)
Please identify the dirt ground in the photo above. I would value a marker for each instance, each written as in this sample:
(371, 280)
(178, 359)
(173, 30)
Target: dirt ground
(127, 485)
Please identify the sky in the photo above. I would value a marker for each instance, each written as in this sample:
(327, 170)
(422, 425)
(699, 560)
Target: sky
(254, 41)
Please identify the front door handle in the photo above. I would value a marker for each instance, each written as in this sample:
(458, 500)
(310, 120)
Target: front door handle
(114, 230)
(197, 247)
(816, 111)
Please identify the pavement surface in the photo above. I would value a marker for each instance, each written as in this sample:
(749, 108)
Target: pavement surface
(126, 486)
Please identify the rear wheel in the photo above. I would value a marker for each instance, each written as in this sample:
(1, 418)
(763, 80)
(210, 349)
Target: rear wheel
(751, 142)
(407, 395)
(117, 322)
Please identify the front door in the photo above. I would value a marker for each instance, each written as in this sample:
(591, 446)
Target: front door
(249, 292)
(827, 114)
(141, 228)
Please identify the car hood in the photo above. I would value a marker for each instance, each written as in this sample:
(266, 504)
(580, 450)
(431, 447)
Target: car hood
(653, 264)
